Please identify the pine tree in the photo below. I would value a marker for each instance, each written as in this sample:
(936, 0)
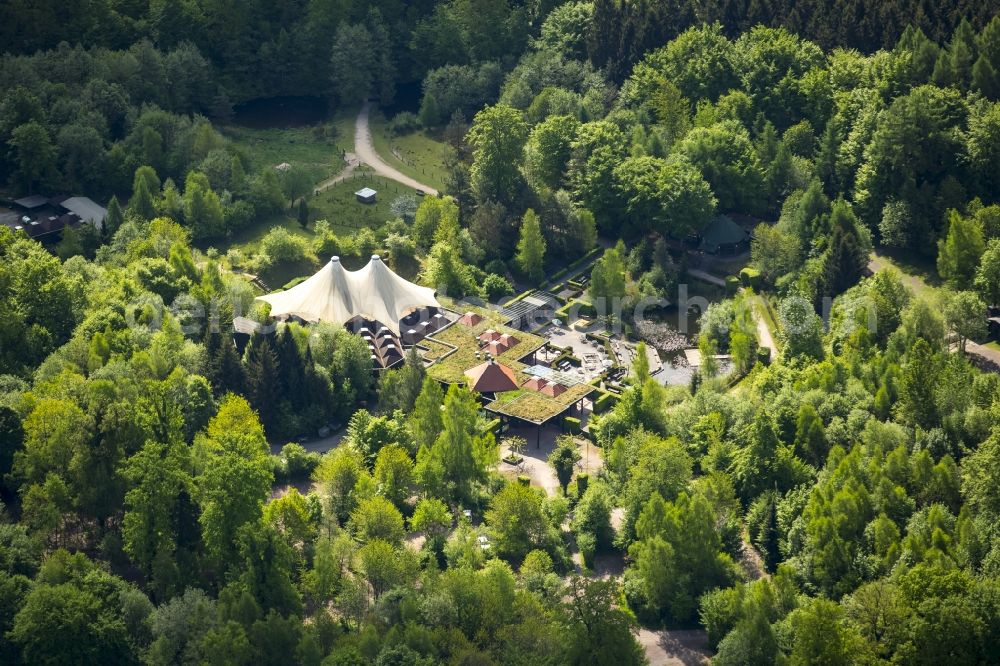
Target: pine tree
(115, 217)
(291, 366)
(762, 524)
(531, 248)
(303, 213)
(845, 260)
(943, 76)
(959, 253)
(962, 54)
(425, 422)
(264, 380)
(318, 389)
(141, 203)
(224, 370)
(984, 78)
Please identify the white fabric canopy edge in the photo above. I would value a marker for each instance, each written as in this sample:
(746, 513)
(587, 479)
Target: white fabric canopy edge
(337, 295)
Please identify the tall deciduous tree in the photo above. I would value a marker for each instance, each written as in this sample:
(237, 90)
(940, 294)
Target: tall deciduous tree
(460, 455)
(517, 518)
(987, 279)
(916, 389)
(235, 480)
(531, 248)
(959, 252)
(548, 150)
(607, 281)
(965, 314)
(202, 208)
(497, 136)
(353, 63)
(155, 508)
(678, 555)
(34, 156)
(600, 632)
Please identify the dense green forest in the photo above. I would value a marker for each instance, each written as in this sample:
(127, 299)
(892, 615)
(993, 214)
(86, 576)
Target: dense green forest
(831, 497)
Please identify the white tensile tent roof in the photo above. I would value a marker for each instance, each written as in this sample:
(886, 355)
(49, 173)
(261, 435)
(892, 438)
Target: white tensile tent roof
(337, 295)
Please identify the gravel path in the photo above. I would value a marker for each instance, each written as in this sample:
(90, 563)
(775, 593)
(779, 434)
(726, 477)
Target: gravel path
(678, 647)
(764, 332)
(364, 154)
(365, 150)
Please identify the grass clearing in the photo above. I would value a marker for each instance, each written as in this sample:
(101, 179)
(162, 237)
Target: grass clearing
(920, 276)
(315, 149)
(417, 154)
(249, 239)
(346, 215)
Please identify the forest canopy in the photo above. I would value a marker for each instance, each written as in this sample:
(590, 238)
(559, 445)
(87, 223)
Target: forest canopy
(823, 488)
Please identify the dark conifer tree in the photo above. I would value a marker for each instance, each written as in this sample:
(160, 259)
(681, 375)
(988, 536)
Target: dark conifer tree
(291, 364)
(303, 213)
(224, 370)
(264, 380)
(115, 217)
(845, 259)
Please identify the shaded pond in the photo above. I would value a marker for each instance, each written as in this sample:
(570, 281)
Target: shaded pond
(670, 331)
(278, 112)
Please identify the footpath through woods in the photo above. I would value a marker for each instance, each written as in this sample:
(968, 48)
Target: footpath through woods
(365, 154)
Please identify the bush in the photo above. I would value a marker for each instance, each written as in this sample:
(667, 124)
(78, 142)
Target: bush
(495, 266)
(299, 463)
(582, 480)
(732, 284)
(524, 480)
(764, 355)
(571, 424)
(238, 215)
(750, 277)
(279, 245)
(496, 287)
(605, 402)
(404, 123)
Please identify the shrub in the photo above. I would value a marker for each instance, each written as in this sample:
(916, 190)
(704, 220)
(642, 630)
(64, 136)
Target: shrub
(494, 427)
(764, 355)
(750, 277)
(571, 424)
(496, 286)
(279, 245)
(404, 123)
(732, 284)
(299, 463)
(495, 266)
(605, 402)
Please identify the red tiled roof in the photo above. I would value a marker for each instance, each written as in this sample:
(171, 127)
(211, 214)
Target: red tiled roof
(491, 377)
